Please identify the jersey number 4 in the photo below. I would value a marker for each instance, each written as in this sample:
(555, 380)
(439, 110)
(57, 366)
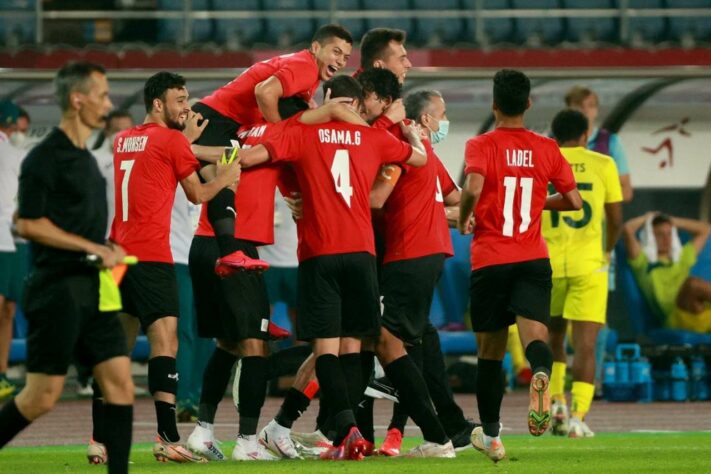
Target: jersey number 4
(511, 184)
(126, 166)
(341, 172)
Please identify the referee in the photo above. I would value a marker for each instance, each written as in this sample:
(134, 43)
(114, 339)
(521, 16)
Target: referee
(62, 211)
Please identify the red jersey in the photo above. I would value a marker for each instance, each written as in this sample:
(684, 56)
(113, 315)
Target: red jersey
(336, 164)
(297, 72)
(254, 199)
(149, 161)
(517, 166)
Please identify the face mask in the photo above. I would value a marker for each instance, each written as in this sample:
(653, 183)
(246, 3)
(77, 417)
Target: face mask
(440, 134)
(18, 139)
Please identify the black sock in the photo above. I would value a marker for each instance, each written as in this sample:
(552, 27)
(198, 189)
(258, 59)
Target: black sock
(435, 373)
(252, 391)
(287, 361)
(222, 215)
(167, 424)
(333, 384)
(324, 414)
(295, 403)
(214, 383)
(11, 422)
(413, 396)
(352, 371)
(540, 357)
(399, 418)
(489, 393)
(97, 413)
(364, 418)
(367, 363)
(118, 438)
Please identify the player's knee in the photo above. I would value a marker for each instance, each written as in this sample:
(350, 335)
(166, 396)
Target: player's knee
(162, 375)
(252, 348)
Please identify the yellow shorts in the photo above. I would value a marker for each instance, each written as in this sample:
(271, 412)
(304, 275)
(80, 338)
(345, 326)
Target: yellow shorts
(581, 298)
(701, 323)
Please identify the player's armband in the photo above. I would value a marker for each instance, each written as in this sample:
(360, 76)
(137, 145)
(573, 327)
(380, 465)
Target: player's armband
(389, 174)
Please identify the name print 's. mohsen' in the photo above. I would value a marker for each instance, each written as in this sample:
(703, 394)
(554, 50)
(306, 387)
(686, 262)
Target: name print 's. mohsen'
(132, 144)
(519, 158)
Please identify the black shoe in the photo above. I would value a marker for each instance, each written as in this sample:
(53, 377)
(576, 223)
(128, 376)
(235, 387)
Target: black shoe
(382, 388)
(462, 439)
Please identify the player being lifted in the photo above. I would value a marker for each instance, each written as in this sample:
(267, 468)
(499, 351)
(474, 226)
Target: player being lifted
(507, 175)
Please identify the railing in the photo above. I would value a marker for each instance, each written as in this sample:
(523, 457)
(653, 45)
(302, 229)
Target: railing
(479, 14)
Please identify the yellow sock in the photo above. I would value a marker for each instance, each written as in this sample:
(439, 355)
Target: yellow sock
(582, 395)
(518, 358)
(558, 381)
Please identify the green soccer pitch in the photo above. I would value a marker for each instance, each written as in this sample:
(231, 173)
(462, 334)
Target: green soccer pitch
(607, 452)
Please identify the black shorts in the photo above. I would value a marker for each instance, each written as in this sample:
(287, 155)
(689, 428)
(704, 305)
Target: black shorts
(219, 131)
(233, 308)
(149, 292)
(407, 287)
(338, 297)
(65, 324)
(499, 293)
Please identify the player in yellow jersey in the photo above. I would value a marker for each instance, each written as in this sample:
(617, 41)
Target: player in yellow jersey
(580, 264)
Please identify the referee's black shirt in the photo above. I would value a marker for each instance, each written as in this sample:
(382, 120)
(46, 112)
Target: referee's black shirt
(62, 183)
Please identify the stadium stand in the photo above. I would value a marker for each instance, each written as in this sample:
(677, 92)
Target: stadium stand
(590, 31)
(433, 32)
(355, 25)
(402, 23)
(237, 34)
(288, 32)
(538, 31)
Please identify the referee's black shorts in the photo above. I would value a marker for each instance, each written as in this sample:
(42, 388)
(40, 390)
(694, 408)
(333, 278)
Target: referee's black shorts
(407, 287)
(65, 324)
(149, 292)
(499, 293)
(233, 308)
(338, 297)
(219, 131)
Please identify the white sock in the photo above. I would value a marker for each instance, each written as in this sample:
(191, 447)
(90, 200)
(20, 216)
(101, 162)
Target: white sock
(206, 426)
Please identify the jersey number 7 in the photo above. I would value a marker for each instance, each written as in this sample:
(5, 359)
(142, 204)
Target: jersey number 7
(126, 166)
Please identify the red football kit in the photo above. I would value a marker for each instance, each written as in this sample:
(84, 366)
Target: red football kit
(517, 166)
(297, 72)
(254, 199)
(149, 161)
(336, 164)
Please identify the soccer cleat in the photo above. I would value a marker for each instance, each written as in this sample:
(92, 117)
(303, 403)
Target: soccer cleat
(391, 443)
(382, 388)
(7, 388)
(277, 438)
(84, 390)
(559, 418)
(433, 450)
(311, 444)
(334, 453)
(495, 449)
(164, 451)
(577, 428)
(248, 448)
(462, 439)
(539, 408)
(236, 262)
(352, 448)
(277, 332)
(96, 453)
(202, 441)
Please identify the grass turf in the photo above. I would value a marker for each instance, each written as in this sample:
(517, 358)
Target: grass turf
(607, 452)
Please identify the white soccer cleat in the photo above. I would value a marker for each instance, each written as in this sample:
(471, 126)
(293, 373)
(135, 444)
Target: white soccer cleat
(96, 452)
(310, 445)
(559, 418)
(278, 439)
(433, 450)
(577, 428)
(202, 441)
(492, 447)
(248, 448)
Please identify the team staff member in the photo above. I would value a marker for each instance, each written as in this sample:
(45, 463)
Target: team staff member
(62, 211)
(149, 162)
(253, 97)
(508, 171)
(579, 266)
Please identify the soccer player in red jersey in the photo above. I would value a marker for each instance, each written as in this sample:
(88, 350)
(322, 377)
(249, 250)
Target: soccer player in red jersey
(253, 97)
(149, 162)
(507, 175)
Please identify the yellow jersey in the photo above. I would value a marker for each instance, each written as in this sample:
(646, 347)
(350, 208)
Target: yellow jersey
(575, 238)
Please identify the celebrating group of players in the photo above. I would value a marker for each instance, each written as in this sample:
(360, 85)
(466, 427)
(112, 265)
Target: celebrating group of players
(363, 149)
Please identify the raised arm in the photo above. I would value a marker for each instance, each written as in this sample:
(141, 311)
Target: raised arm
(419, 155)
(699, 231)
(332, 111)
(629, 234)
(227, 175)
(268, 93)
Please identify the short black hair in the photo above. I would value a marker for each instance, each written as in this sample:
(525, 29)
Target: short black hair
(660, 219)
(326, 32)
(375, 42)
(417, 102)
(23, 113)
(380, 81)
(157, 87)
(118, 113)
(344, 86)
(71, 77)
(290, 106)
(568, 125)
(511, 91)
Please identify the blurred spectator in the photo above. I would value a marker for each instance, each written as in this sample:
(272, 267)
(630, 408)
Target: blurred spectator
(661, 266)
(19, 138)
(14, 259)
